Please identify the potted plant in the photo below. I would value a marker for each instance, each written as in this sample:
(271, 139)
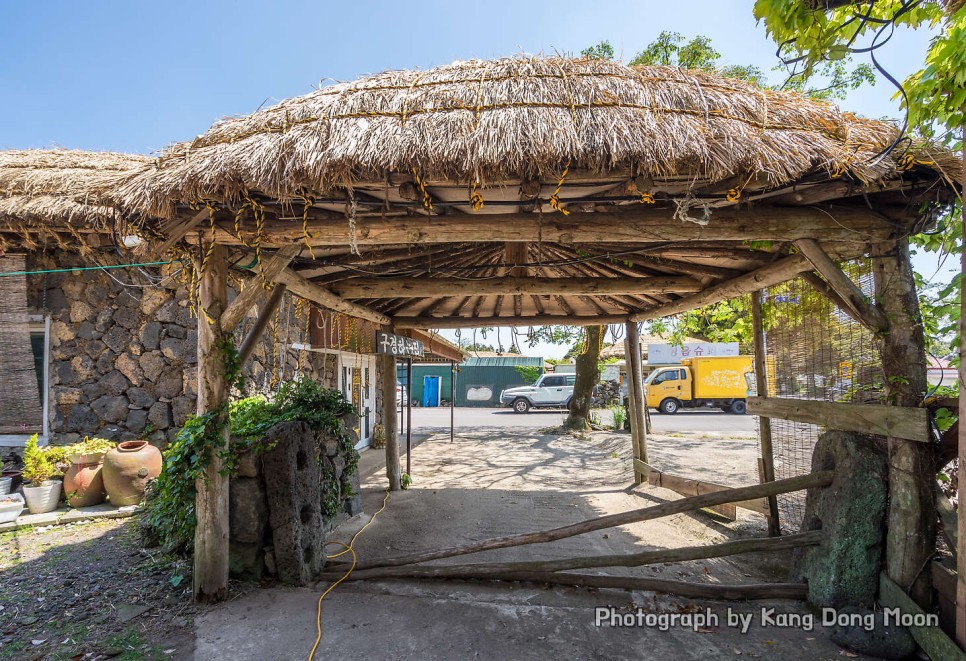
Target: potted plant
(11, 506)
(83, 481)
(42, 493)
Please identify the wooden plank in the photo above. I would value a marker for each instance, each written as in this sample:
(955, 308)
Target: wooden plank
(931, 639)
(254, 291)
(536, 320)
(691, 487)
(387, 364)
(764, 424)
(635, 396)
(210, 576)
(851, 224)
(511, 286)
(870, 316)
(325, 298)
(777, 272)
(905, 422)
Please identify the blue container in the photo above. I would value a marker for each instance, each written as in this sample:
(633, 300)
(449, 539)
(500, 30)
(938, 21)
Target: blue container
(432, 387)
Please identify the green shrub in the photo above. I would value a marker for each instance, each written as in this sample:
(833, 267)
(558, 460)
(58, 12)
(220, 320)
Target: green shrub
(37, 466)
(620, 416)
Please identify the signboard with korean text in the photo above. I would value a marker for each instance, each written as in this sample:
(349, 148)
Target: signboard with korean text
(670, 354)
(397, 345)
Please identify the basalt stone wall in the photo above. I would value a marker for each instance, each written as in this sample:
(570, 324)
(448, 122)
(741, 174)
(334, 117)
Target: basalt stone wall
(123, 350)
(276, 516)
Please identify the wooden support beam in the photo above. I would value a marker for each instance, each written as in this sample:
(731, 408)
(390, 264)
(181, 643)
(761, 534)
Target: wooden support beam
(510, 286)
(210, 576)
(764, 424)
(639, 559)
(911, 534)
(390, 423)
(261, 322)
(177, 230)
(779, 271)
(737, 494)
(869, 314)
(931, 639)
(325, 298)
(850, 224)
(635, 397)
(537, 320)
(905, 422)
(516, 253)
(254, 290)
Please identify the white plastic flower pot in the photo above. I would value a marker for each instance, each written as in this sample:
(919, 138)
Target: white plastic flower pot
(10, 508)
(5, 483)
(43, 497)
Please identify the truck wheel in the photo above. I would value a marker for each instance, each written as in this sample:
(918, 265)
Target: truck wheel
(521, 405)
(669, 406)
(738, 407)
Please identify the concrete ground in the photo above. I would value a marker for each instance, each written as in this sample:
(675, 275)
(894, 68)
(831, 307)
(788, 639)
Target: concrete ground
(493, 482)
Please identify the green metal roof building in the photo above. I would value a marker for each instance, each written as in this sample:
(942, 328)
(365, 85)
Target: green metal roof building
(480, 379)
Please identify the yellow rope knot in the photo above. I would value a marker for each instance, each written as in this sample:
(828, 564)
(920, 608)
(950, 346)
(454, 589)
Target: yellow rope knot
(555, 198)
(647, 198)
(427, 198)
(734, 194)
(476, 200)
(307, 202)
(838, 170)
(909, 161)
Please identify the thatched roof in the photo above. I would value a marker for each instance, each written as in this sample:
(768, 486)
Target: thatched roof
(60, 186)
(521, 118)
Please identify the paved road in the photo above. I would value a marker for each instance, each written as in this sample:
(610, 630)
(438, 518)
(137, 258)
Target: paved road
(684, 421)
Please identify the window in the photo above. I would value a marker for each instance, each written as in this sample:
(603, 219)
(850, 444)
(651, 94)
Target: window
(553, 382)
(667, 375)
(27, 417)
(571, 380)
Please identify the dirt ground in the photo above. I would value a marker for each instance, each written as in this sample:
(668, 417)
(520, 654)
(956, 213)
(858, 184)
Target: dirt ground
(89, 591)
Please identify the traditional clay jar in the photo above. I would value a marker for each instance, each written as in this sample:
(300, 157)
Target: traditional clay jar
(127, 469)
(83, 481)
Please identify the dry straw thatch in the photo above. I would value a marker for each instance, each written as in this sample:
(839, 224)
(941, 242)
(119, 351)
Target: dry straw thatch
(46, 188)
(517, 118)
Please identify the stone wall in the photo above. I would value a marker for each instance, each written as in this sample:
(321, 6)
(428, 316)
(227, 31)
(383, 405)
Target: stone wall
(123, 350)
(277, 520)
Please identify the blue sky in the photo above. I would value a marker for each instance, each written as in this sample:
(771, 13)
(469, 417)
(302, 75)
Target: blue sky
(136, 76)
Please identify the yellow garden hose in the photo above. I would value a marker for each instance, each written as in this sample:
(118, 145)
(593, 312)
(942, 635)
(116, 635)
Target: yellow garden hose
(347, 549)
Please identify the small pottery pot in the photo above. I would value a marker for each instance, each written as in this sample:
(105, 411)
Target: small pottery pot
(83, 481)
(5, 483)
(10, 507)
(42, 497)
(17, 480)
(127, 470)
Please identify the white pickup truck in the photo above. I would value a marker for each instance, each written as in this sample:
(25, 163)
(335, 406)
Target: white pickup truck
(550, 391)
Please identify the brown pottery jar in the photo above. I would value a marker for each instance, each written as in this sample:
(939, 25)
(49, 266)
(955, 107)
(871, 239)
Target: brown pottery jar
(83, 481)
(127, 469)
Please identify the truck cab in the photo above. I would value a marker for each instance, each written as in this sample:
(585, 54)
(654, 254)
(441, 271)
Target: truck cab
(709, 382)
(550, 391)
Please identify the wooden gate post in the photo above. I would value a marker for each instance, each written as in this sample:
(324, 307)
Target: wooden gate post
(961, 473)
(390, 420)
(911, 537)
(210, 578)
(761, 379)
(635, 400)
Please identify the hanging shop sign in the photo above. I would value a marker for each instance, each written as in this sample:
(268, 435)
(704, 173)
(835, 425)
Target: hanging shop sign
(397, 345)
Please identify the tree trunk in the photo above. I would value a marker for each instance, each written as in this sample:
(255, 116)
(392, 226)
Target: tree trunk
(911, 538)
(588, 374)
(961, 438)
